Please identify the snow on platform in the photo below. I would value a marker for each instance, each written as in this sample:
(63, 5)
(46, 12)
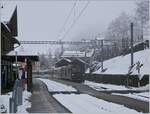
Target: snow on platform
(86, 104)
(144, 96)
(4, 100)
(26, 103)
(57, 87)
(121, 64)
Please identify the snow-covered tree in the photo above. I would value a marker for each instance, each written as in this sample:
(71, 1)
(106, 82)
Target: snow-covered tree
(57, 54)
(43, 61)
(142, 16)
(119, 31)
(50, 59)
(119, 27)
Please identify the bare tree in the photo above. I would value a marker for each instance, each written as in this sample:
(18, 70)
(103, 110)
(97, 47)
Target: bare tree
(119, 27)
(119, 31)
(43, 61)
(57, 54)
(142, 16)
(50, 59)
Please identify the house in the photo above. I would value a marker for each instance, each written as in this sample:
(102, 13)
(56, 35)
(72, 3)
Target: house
(9, 31)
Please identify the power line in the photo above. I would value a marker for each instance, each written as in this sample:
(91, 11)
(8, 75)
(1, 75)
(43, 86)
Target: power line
(67, 18)
(76, 19)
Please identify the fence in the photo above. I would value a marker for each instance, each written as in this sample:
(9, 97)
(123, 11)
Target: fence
(16, 99)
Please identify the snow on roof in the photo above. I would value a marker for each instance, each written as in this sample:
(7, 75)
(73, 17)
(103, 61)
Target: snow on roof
(90, 54)
(5, 24)
(77, 54)
(68, 60)
(21, 53)
(139, 42)
(73, 54)
(81, 60)
(121, 64)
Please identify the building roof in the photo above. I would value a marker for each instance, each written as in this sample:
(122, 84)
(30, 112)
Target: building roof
(65, 61)
(12, 24)
(22, 55)
(73, 54)
(77, 54)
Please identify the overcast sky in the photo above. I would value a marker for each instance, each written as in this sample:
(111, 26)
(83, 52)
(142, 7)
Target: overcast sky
(43, 20)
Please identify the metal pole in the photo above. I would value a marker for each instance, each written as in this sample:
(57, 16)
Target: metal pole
(16, 64)
(101, 55)
(132, 59)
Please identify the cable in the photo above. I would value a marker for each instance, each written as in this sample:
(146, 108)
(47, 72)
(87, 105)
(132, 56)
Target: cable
(76, 19)
(67, 18)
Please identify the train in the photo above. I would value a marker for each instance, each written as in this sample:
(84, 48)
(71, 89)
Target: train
(73, 70)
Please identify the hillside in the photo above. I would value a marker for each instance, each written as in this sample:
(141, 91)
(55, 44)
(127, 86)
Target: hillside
(121, 64)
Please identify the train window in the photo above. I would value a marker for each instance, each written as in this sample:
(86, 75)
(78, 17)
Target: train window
(76, 69)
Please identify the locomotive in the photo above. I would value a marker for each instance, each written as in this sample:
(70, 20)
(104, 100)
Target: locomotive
(71, 69)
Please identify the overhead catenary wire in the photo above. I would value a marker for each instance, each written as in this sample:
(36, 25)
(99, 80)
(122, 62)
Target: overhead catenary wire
(76, 19)
(65, 22)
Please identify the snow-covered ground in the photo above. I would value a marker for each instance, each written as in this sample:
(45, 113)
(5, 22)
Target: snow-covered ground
(56, 87)
(104, 87)
(4, 99)
(121, 64)
(109, 87)
(86, 104)
(144, 96)
(26, 103)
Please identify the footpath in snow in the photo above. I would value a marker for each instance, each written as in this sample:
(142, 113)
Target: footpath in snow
(86, 104)
(57, 87)
(4, 100)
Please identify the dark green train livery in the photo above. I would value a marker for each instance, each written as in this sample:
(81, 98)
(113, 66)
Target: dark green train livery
(71, 69)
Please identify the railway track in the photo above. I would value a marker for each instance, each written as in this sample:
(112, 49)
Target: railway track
(138, 105)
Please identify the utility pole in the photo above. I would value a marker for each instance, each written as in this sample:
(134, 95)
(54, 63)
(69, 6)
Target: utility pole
(62, 47)
(132, 59)
(132, 62)
(102, 55)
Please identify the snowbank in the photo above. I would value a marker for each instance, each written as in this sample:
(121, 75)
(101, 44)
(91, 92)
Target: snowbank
(109, 87)
(56, 87)
(86, 104)
(146, 88)
(120, 65)
(144, 96)
(105, 87)
(4, 99)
